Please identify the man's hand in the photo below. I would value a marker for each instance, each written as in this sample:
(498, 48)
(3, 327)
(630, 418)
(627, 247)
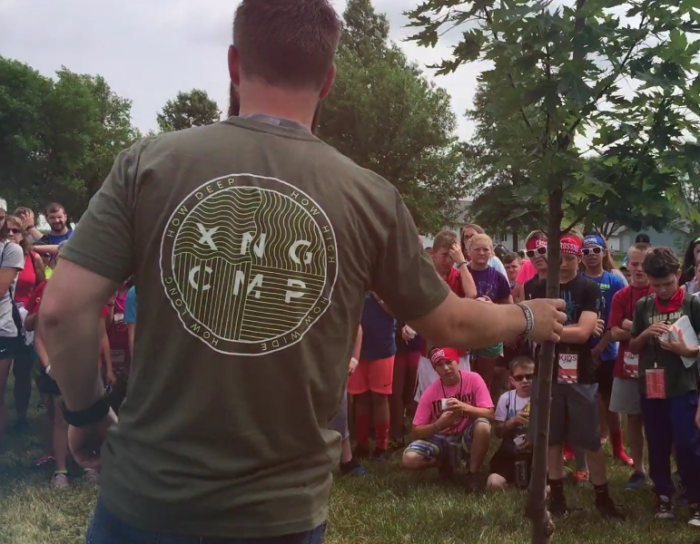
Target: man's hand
(459, 406)
(596, 352)
(456, 254)
(520, 418)
(449, 418)
(352, 366)
(656, 330)
(85, 442)
(111, 377)
(485, 299)
(549, 319)
(27, 219)
(627, 325)
(599, 329)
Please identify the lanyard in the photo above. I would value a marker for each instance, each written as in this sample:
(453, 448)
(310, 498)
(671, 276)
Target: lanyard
(275, 121)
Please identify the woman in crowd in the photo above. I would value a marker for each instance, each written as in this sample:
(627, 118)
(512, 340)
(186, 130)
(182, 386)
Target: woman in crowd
(31, 275)
(11, 341)
(691, 254)
(692, 287)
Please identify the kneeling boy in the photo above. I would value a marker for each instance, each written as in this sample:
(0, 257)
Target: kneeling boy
(453, 419)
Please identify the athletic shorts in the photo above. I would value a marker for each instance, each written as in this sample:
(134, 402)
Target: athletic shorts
(574, 416)
(625, 398)
(503, 464)
(492, 352)
(375, 376)
(9, 347)
(339, 423)
(435, 446)
(409, 359)
(604, 377)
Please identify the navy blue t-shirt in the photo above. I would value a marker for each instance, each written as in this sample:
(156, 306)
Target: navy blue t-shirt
(378, 331)
(609, 284)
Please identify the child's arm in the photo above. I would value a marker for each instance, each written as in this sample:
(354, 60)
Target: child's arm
(106, 351)
(40, 350)
(30, 322)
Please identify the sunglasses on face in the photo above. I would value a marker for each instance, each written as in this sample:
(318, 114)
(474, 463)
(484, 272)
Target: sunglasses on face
(539, 251)
(14, 231)
(523, 377)
(592, 250)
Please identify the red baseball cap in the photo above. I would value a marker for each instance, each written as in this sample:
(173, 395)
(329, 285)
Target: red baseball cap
(443, 354)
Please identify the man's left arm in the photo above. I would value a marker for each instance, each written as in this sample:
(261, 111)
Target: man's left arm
(95, 261)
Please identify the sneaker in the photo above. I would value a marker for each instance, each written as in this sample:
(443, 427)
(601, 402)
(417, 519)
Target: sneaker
(608, 510)
(91, 476)
(352, 468)
(694, 520)
(44, 461)
(361, 452)
(475, 482)
(557, 507)
(580, 478)
(637, 481)
(59, 481)
(380, 455)
(625, 459)
(664, 508)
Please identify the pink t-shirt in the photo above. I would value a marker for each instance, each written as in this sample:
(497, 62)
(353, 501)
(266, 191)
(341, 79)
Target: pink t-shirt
(527, 272)
(471, 390)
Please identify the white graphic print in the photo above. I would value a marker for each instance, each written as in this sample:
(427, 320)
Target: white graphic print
(249, 264)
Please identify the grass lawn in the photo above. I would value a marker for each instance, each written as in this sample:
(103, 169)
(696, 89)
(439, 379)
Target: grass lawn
(388, 506)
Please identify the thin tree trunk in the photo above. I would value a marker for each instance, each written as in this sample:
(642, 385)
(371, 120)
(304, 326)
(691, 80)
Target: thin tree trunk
(515, 238)
(536, 510)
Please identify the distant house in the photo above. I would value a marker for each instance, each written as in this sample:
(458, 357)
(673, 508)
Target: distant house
(505, 238)
(676, 236)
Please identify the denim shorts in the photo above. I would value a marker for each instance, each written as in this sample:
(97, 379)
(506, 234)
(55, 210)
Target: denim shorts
(106, 528)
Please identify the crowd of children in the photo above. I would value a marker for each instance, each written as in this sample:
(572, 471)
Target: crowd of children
(627, 350)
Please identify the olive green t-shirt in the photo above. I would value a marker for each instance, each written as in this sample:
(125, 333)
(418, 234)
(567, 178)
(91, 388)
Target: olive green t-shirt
(679, 379)
(252, 247)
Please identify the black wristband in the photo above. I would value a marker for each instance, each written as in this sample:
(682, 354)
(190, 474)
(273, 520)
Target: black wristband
(82, 418)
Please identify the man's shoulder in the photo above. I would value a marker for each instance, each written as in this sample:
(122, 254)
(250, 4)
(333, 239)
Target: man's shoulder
(623, 293)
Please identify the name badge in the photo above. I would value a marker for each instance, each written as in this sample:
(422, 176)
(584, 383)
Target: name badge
(568, 368)
(630, 367)
(656, 383)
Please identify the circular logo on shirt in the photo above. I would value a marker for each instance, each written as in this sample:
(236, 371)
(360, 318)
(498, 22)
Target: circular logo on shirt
(249, 264)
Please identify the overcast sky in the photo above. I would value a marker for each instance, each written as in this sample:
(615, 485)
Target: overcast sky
(148, 50)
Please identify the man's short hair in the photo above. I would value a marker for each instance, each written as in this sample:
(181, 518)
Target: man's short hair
(642, 238)
(519, 362)
(286, 43)
(537, 235)
(22, 210)
(55, 207)
(661, 262)
(444, 240)
(483, 238)
(511, 258)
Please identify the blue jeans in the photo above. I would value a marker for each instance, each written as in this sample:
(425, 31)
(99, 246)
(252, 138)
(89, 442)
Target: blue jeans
(669, 423)
(108, 529)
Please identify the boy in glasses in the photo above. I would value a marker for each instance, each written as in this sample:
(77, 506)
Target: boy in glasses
(452, 421)
(535, 240)
(574, 416)
(511, 463)
(668, 382)
(605, 349)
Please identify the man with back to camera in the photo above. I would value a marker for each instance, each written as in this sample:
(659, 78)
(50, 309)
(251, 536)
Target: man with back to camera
(252, 245)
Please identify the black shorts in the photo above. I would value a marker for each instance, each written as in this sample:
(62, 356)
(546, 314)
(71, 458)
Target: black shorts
(47, 385)
(604, 377)
(503, 464)
(10, 347)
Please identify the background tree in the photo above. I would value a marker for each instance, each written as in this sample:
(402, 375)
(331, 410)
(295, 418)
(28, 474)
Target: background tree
(387, 117)
(187, 110)
(58, 138)
(614, 78)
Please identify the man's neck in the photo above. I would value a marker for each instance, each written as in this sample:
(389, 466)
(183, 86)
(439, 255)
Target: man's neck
(61, 232)
(450, 381)
(478, 267)
(263, 99)
(542, 275)
(595, 272)
(643, 285)
(521, 395)
(567, 279)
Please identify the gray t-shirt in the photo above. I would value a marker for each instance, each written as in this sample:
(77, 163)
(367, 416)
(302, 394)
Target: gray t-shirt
(11, 256)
